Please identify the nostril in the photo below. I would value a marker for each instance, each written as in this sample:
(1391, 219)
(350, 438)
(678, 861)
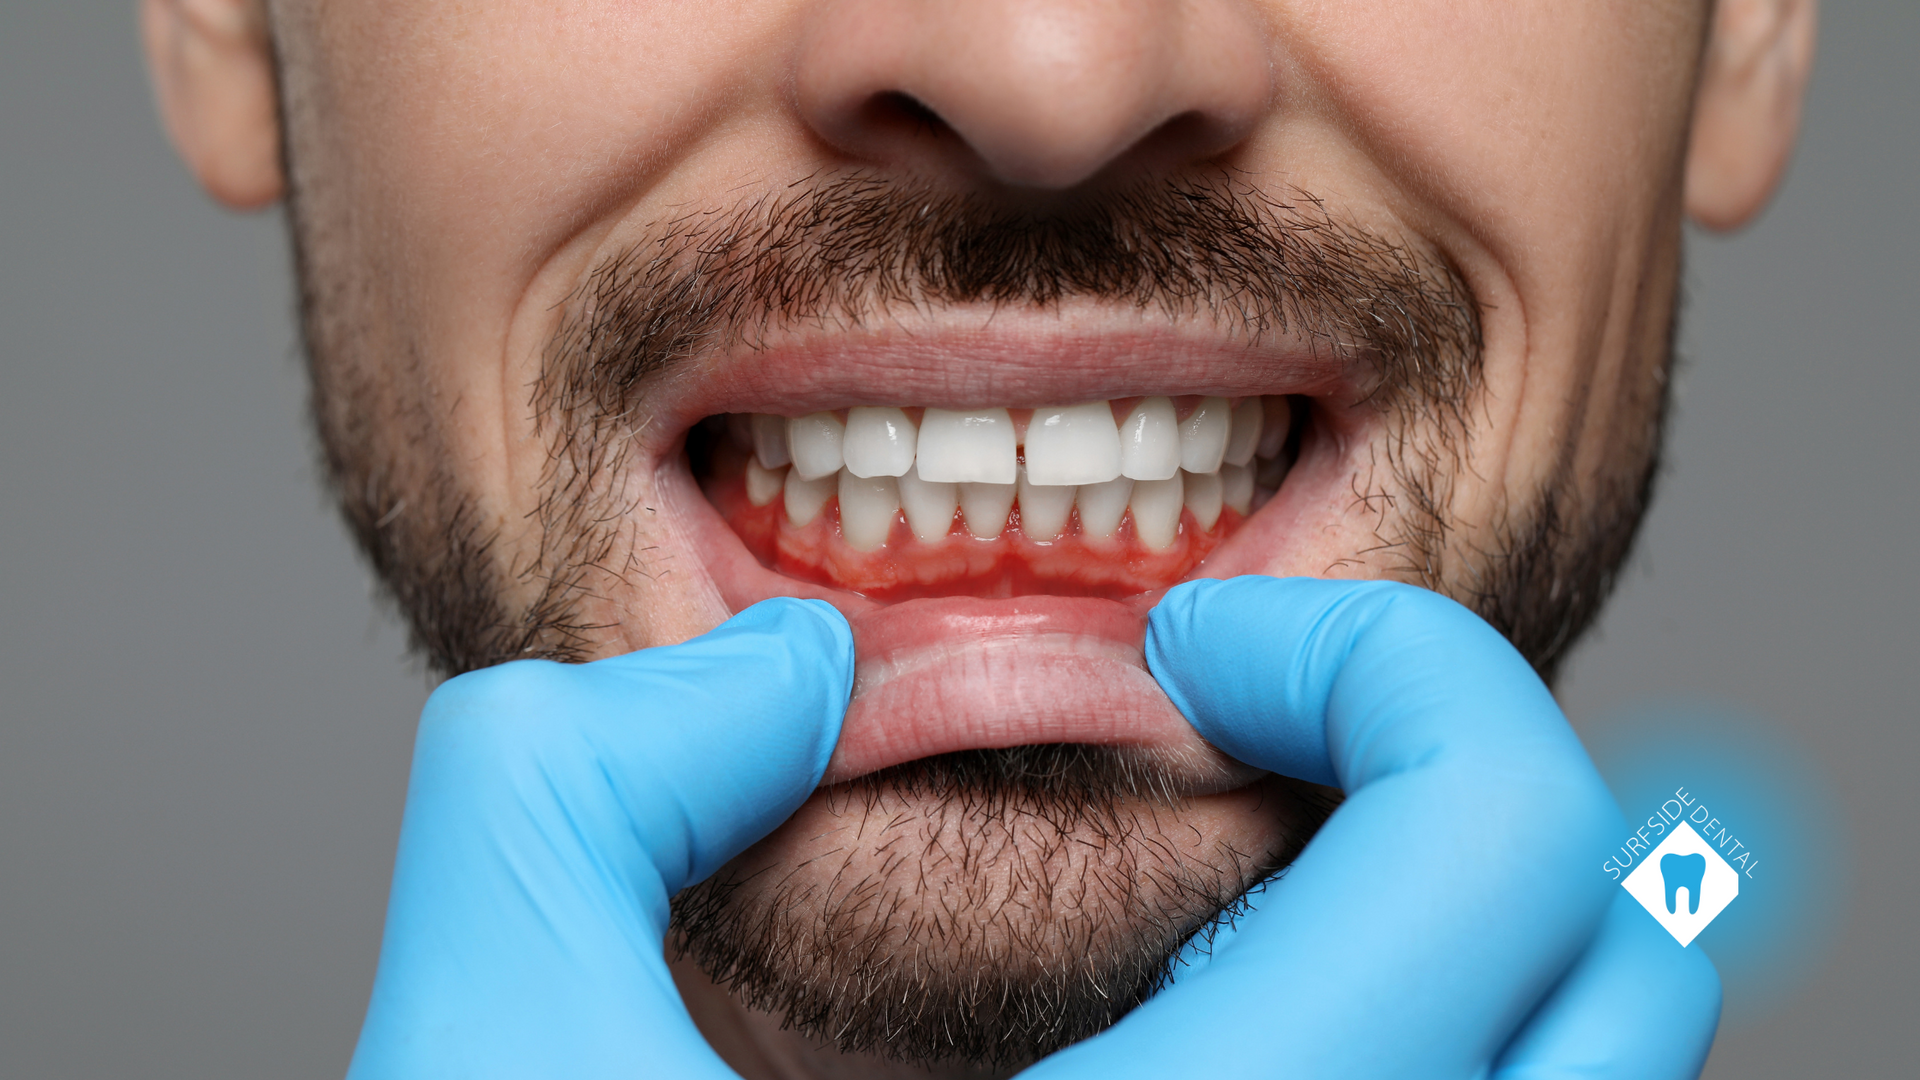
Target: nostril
(901, 111)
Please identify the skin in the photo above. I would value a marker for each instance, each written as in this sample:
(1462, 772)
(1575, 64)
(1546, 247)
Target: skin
(470, 164)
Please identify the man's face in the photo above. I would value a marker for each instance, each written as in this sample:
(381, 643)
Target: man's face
(1391, 283)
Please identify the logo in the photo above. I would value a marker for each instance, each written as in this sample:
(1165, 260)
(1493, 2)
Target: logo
(1686, 881)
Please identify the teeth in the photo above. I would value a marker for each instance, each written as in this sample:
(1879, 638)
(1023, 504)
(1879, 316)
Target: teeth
(973, 447)
(985, 507)
(1236, 487)
(867, 509)
(763, 484)
(806, 498)
(1245, 437)
(1044, 508)
(879, 442)
(1156, 511)
(770, 440)
(880, 463)
(814, 441)
(1273, 435)
(1102, 506)
(929, 506)
(1073, 445)
(1150, 441)
(1203, 435)
(1203, 497)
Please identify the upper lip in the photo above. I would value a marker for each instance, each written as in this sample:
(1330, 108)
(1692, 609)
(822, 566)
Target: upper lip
(1016, 359)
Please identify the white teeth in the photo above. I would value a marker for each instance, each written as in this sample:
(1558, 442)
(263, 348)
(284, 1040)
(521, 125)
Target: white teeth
(1044, 508)
(1102, 506)
(867, 509)
(985, 508)
(1150, 441)
(806, 498)
(1203, 435)
(1236, 487)
(1273, 434)
(1203, 497)
(814, 441)
(763, 484)
(1073, 445)
(770, 440)
(1245, 438)
(880, 441)
(975, 447)
(929, 506)
(1156, 511)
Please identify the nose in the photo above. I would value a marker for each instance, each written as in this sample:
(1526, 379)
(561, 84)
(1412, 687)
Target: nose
(1039, 93)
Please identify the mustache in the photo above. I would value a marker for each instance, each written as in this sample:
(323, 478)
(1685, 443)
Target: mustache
(851, 248)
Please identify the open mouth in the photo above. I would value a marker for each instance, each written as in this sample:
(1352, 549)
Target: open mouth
(997, 562)
(1110, 499)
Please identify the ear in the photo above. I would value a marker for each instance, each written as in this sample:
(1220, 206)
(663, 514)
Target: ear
(212, 66)
(1746, 112)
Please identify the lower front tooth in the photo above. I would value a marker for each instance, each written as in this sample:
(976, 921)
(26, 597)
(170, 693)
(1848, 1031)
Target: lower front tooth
(1102, 506)
(1236, 487)
(929, 506)
(1203, 497)
(806, 498)
(763, 483)
(1156, 506)
(985, 508)
(867, 509)
(1044, 508)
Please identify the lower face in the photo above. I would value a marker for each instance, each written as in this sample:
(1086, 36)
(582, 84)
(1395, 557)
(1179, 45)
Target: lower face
(994, 477)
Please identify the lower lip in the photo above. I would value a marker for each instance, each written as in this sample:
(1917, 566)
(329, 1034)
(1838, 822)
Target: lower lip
(956, 673)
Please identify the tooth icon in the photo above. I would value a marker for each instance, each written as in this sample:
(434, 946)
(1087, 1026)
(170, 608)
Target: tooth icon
(1683, 860)
(1683, 872)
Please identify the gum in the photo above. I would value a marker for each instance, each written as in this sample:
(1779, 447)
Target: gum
(906, 568)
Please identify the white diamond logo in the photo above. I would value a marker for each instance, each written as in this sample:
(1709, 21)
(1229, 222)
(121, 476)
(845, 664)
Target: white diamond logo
(1683, 883)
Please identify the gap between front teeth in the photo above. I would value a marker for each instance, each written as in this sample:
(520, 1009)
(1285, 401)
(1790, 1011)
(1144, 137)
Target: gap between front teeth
(881, 463)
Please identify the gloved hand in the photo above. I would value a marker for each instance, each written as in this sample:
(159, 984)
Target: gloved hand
(1451, 918)
(553, 810)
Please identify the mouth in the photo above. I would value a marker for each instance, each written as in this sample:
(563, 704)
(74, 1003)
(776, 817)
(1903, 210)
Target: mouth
(996, 515)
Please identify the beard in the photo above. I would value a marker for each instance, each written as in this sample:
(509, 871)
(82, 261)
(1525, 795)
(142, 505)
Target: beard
(994, 905)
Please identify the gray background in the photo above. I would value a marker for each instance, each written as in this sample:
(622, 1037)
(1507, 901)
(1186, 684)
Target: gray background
(204, 723)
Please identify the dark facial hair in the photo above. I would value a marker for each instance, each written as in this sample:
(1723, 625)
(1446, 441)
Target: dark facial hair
(849, 249)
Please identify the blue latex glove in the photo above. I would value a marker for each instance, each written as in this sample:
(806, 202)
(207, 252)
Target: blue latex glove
(553, 810)
(1450, 919)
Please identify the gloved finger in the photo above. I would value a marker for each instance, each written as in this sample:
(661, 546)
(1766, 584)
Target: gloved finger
(1449, 891)
(552, 813)
(1636, 1006)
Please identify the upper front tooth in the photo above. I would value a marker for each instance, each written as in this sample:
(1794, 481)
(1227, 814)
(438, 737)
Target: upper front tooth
(1044, 508)
(1245, 438)
(1150, 441)
(1156, 511)
(929, 506)
(985, 508)
(814, 441)
(1203, 436)
(1076, 444)
(1203, 497)
(879, 442)
(972, 447)
(1273, 434)
(770, 440)
(867, 509)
